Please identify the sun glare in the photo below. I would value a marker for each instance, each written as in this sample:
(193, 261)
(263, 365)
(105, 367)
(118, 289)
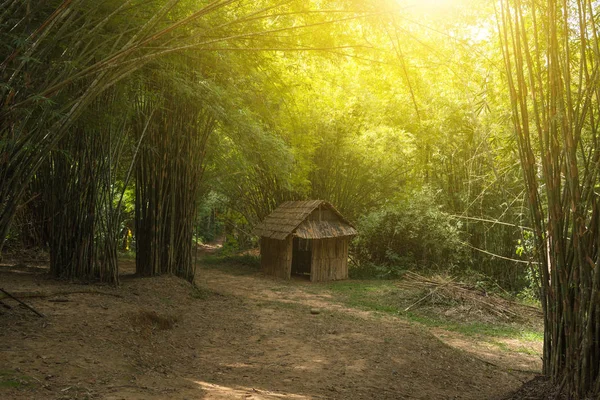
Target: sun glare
(435, 6)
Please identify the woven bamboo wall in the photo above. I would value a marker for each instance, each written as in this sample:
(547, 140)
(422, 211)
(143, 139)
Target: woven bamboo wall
(276, 257)
(329, 259)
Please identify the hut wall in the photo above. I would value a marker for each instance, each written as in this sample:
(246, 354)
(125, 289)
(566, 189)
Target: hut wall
(329, 259)
(276, 257)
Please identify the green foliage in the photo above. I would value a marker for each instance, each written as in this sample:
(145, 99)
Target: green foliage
(389, 102)
(237, 236)
(411, 234)
(530, 290)
(210, 217)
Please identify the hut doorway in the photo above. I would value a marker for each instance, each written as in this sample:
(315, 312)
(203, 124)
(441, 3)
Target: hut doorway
(301, 257)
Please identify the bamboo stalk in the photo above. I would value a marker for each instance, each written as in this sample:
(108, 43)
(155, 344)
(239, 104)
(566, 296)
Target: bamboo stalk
(564, 213)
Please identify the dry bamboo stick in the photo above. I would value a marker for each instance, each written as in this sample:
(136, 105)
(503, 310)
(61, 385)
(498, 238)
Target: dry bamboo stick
(22, 303)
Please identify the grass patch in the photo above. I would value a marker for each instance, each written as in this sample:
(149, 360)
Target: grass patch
(501, 345)
(236, 264)
(200, 293)
(533, 336)
(528, 351)
(369, 295)
(280, 305)
(281, 289)
(520, 349)
(10, 384)
(475, 329)
(13, 380)
(384, 296)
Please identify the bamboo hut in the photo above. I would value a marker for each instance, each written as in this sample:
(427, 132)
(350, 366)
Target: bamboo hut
(308, 238)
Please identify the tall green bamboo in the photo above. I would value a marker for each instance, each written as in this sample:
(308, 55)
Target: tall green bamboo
(77, 186)
(175, 127)
(552, 58)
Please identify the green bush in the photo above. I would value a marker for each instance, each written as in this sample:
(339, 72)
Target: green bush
(210, 217)
(411, 234)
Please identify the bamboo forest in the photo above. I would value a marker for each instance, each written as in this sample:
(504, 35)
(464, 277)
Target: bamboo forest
(300, 199)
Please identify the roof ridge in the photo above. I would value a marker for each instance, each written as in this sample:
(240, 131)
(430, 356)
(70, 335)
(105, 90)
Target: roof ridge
(289, 215)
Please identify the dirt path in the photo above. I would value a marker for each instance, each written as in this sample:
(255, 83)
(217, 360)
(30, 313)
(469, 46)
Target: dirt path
(300, 292)
(237, 337)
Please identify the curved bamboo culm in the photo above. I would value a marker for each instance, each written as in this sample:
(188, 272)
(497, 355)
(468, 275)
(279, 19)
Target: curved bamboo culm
(552, 61)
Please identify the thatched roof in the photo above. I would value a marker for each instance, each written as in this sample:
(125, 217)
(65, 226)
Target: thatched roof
(292, 217)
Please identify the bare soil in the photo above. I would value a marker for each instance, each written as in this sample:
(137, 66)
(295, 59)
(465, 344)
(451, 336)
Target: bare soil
(233, 337)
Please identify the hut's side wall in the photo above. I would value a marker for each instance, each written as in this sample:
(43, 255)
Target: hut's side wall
(329, 259)
(276, 257)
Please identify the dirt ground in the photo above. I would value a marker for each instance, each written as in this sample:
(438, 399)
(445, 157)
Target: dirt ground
(232, 337)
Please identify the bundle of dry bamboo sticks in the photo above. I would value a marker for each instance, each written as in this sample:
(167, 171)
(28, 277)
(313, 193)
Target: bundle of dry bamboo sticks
(449, 289)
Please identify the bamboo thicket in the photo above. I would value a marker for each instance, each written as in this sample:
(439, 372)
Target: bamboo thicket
(60, 56)
(71, 197)
(552, 59)
(78, 186)
(176, 127)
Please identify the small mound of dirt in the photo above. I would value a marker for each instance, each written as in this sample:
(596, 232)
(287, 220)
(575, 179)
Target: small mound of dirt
(144, 320)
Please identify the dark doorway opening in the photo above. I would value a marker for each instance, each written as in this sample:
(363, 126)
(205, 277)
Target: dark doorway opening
(301, 257)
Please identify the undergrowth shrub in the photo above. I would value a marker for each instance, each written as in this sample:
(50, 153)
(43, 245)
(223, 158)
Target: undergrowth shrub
(210, 218)
(411, 234)
(245, 260)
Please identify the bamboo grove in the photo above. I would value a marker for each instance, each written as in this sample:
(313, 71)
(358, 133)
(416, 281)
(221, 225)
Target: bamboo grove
(84, 113)
(452, 140)
(552, 63)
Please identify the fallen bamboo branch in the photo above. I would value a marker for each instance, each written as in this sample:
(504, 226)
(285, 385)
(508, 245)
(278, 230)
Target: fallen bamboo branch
(22, 303)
